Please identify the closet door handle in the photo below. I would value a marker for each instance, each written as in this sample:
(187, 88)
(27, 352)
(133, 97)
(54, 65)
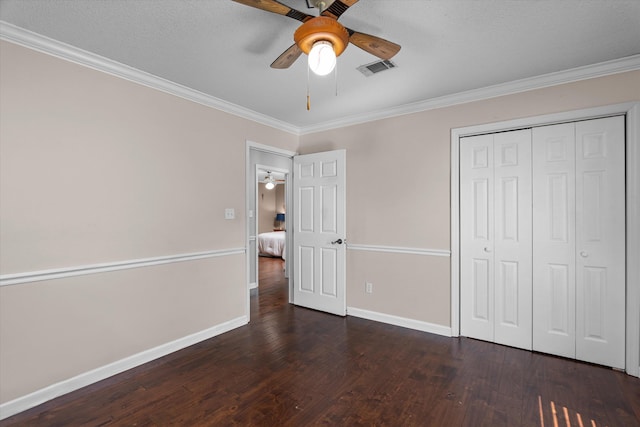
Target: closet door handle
(584, 254)
(487, 249)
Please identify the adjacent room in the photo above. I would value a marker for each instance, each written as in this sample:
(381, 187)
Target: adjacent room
(200, 224)
(271, 214)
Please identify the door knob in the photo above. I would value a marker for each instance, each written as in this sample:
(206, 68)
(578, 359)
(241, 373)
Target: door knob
(584, 254)
(339, 242)
(486, 249)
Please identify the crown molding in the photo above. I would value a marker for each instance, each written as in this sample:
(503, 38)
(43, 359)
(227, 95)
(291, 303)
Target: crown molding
(40, 43)
(629, 63)
(35, 41)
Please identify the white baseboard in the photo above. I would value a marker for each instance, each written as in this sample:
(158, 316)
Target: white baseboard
(55, 390)
(400, 321)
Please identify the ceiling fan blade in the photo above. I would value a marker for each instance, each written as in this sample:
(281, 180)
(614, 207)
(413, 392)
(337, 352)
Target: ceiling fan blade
(338, 7)
(287, 58)
(383, 49)
(276, 7)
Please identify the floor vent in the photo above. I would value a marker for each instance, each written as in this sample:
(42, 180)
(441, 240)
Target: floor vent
(376, 67)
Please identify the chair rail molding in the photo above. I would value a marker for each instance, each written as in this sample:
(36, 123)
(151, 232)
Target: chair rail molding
(399, 250)
(58, 273)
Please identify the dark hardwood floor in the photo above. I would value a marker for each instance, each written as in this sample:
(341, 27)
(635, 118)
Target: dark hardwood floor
(296, 367)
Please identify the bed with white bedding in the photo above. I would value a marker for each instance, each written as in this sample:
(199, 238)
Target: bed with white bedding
(272, 244)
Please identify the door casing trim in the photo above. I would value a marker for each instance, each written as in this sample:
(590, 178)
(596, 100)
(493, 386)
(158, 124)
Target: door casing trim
(249, 146)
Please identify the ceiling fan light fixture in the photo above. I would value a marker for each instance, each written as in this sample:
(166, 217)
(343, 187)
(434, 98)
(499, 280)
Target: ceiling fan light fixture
(323, 39)
(322, 58)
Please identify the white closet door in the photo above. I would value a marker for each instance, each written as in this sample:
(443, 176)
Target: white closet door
(554, 239)
(476, 237)
(512, 238)
(495, 233)
(600, 241)
(579, 243)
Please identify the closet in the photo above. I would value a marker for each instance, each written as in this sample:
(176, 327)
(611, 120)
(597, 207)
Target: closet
(542, 239)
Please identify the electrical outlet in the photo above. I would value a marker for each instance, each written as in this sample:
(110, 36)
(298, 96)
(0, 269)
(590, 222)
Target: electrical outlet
(229, 213)
(368, 287)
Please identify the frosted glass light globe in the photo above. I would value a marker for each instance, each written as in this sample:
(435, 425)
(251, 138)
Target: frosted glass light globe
(322, 58)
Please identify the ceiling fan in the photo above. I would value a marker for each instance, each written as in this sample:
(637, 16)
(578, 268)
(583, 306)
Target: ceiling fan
(270, 179)
(322, 37)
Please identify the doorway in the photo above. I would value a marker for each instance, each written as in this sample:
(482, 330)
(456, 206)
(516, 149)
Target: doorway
(259, 160)
(316, 250)
(270, 217)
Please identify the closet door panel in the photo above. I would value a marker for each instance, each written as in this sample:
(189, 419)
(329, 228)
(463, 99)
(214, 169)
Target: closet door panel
(512, 238)
(600, 241)
(554, 239)
(476, 238)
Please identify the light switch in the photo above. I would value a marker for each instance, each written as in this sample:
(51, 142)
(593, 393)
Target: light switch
(229, 213)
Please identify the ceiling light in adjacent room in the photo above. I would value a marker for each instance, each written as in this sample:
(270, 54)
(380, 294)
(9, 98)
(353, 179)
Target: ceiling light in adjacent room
(269, 182)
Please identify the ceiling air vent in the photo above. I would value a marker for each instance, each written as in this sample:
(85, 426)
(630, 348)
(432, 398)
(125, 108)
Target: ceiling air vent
(376, 67)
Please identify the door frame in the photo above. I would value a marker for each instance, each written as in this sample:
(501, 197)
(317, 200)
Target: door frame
(249, 193)
(632, 180)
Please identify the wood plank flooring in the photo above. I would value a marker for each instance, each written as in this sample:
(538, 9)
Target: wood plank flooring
(296, 367)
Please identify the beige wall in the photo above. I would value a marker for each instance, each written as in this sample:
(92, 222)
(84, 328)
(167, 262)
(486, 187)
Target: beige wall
(96, 169)
(280, 199)
(407, 159)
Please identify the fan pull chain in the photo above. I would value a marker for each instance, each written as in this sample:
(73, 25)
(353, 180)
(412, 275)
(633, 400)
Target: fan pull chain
(308, 92)
(336, 77)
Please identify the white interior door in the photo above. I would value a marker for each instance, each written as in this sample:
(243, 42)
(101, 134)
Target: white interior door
(600, 241)
(319, 231)
(495, 238)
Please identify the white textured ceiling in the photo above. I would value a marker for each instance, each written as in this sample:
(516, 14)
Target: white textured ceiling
(224, 49)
